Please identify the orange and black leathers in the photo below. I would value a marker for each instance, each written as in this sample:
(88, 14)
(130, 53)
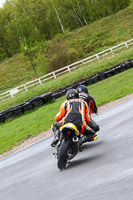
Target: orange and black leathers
(74, 111)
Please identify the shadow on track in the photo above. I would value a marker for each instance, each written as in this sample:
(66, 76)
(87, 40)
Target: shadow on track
(90, 145)
(83, 161)
(87, 159)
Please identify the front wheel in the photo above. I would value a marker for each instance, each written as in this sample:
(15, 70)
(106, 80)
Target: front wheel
(62, 158)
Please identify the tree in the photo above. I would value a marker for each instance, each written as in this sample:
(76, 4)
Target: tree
(59, 19)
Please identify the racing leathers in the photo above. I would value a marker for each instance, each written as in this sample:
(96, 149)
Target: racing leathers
(92, 109)
(74, 111)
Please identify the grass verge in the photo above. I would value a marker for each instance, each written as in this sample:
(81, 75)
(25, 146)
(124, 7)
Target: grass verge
(34, 122)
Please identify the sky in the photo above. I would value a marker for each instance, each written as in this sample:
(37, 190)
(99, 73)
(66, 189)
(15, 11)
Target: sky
(2, 2)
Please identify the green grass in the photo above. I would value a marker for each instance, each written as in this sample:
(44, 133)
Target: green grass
(69, 78)
(32, 123)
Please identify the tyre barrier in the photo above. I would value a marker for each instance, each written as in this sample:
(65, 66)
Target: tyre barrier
(7, 114)
(95, 78)
(2, 119)
(27, 106)
(35, 102)
(81, 83)
(75, 85)
(59, 93)
(56, 95)
(88, 81)
(46, 97)
(17, 110)
(102, 76)
(30, 104)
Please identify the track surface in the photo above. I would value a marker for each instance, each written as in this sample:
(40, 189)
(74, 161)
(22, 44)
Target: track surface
(103, 171)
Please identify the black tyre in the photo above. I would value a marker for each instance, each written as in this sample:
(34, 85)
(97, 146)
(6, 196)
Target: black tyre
(62, 158)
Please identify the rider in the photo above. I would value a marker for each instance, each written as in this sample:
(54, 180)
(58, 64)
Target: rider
(74, 110)
(84, 94)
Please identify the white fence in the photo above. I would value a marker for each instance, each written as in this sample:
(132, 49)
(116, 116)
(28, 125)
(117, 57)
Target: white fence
(10, 93)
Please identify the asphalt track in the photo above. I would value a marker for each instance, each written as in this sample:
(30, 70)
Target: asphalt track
(103, 171)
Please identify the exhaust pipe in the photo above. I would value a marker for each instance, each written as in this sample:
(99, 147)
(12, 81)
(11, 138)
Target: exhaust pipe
(75, 139)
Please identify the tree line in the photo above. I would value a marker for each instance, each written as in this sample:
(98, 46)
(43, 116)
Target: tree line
(25, 23)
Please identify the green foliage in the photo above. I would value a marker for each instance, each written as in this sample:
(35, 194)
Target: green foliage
(27, 22)
(131, 2)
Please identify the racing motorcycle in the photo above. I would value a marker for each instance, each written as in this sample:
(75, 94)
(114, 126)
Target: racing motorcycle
(68, 145)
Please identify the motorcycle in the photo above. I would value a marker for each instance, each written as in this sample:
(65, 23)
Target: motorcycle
(68, 145)
(70, 142)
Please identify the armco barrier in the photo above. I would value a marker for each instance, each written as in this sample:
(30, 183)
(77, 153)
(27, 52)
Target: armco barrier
(30, 104)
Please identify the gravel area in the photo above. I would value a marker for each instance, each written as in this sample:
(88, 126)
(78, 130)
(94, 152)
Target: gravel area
(43, 135)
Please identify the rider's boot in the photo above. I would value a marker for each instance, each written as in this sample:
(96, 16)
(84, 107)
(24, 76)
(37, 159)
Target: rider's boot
(56, 135)
(90, 137)
(80, 145)
(81, 141)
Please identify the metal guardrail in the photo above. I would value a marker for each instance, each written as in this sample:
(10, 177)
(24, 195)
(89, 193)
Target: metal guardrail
(10, 93)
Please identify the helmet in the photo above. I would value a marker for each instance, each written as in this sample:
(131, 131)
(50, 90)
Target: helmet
(82, 88)
(71, 94)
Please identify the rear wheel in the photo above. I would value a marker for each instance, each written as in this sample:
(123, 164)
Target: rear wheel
(62, 158)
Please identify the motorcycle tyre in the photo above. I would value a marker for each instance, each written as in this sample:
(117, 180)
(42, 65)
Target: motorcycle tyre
(62, 158)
